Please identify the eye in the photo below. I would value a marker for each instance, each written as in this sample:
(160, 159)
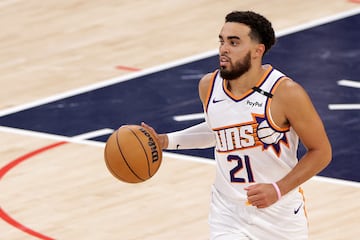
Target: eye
(221, 41)
(234, 44)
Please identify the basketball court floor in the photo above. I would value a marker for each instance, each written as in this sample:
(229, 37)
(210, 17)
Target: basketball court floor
(58, 109)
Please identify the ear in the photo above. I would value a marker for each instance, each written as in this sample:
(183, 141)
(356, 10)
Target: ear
(259, 50)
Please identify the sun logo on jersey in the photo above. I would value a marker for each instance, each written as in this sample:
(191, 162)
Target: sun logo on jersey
(268, 136)
(256, 133)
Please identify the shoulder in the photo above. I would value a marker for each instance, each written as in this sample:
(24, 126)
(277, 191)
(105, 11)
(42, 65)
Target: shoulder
(288, 91)
(293, 100)
(205, 84)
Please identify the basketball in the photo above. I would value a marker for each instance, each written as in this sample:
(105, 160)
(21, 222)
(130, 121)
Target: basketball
(132, 154)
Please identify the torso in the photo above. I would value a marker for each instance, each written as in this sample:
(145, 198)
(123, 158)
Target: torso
(244, 152)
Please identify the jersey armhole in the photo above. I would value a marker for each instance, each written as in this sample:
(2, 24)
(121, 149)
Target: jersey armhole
(210, 90)
(268, 106)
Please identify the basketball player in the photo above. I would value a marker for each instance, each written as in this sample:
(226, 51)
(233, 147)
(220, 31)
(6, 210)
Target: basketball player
(255, 116)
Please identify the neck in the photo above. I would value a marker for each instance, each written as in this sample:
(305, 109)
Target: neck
(246, 82)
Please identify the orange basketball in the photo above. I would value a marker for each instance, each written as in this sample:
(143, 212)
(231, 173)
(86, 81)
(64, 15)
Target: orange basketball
(132, 154)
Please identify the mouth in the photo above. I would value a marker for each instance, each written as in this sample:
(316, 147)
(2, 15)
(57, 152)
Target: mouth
(224, 61)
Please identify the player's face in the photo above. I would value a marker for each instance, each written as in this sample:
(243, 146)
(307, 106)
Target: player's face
(234, 50)
(230, 70)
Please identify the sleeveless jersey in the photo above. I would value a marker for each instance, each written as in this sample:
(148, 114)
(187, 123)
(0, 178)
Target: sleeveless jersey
(250, 148)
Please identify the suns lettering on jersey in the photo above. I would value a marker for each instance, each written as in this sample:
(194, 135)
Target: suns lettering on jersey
(256, 133)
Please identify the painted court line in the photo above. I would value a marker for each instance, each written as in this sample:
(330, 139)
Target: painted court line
(212, 162)
(349, 106)
(355, 106)
(81, 140)
(125, 68)
(349, 83)
(5, 169)
(11, 221)
(94, 134)
(319, 22)
(188, 117)
(168, 65)
(106, 83)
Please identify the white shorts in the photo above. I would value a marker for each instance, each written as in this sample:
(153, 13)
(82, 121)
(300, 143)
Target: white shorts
(231, 219)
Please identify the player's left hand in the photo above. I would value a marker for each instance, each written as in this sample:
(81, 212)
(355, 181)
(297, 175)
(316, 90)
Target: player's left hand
(261, 195)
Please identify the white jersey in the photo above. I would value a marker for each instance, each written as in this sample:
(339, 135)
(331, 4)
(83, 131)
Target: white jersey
(249, 146)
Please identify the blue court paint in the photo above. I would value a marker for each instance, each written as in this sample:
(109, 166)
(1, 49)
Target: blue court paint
(316, 58)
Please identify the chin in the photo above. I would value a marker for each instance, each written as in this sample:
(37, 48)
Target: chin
(225, 69)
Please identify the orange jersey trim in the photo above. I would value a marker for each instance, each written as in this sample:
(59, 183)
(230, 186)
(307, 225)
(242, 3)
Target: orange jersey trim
(268, 113)
(247, 93)
(210, 90)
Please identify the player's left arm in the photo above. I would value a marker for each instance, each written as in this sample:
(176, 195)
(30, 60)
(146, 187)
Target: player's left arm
(291, 106)
(302, 116)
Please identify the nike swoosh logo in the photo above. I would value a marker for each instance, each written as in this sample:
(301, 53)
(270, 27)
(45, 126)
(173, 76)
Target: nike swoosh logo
(298, 209)
(216, 101)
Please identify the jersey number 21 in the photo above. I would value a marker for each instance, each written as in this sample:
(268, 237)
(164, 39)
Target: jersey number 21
(243, 164)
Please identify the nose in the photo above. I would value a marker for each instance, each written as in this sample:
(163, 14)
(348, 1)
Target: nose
(223, 49)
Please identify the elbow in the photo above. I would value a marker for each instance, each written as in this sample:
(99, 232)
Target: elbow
(327, 155)
(323, 155)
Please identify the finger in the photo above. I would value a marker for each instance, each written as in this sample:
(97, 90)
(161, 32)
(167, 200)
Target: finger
(254, 203)
(253, 199)
(154, 133)
(253, 192)
(251, 187)
(145, 125)
(259, 204)
(152, 130)
(262, 204)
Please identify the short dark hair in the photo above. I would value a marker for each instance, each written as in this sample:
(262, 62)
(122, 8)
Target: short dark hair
(261, 28)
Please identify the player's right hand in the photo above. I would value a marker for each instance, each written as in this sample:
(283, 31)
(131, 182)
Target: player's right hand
(161, 138)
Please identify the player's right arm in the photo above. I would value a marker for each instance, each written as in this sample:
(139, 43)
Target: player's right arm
(197, 136)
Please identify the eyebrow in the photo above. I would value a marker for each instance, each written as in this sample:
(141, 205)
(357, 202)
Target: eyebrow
(230, 37)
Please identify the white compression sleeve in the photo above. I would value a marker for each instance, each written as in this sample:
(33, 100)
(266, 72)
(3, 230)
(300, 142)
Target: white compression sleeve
(197, 136)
